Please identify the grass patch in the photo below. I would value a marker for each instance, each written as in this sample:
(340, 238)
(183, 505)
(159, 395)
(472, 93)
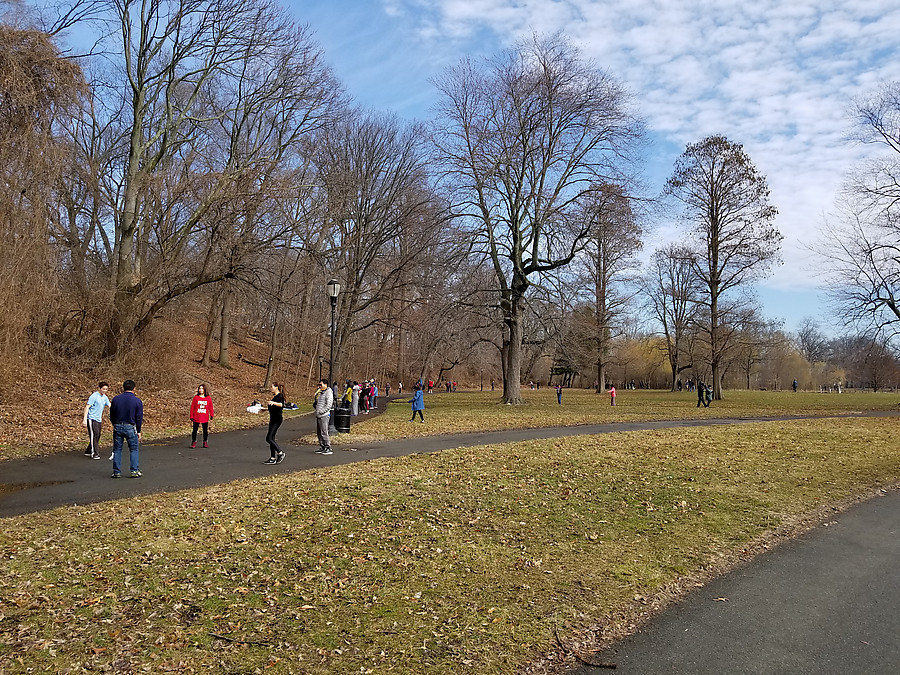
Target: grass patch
(461, 561)
(481, 411)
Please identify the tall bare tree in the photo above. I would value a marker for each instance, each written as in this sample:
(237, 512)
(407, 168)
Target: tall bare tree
(811, 341)
(672, 290)
(727, 200)
(381, 216)
(861, 246)
(38, 89)
(522, 139)
(213, 94)
(609, 263)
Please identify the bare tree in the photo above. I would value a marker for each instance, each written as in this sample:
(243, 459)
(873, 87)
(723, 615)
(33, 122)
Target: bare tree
(38, 89)
(811, 341)
(609, 263)
(381, 216)
(755, 338)
(523, 139)
(726, 198)
(860, 247)
(212, 95)
(672, 291)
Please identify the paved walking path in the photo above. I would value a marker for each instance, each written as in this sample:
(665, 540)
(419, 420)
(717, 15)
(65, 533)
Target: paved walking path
(168, 465)
(827, 602)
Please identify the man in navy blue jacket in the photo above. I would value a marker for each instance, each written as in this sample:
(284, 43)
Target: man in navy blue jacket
(126, 413)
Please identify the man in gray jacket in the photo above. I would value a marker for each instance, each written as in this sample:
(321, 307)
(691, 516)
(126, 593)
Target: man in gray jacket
(324, 405)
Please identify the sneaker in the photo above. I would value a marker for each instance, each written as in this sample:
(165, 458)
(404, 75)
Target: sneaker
(205, 444)
(327, 451)
(320, 451)
(271, 460)
(136, 474)
(279, 458)
(193, 445)
(116, 474)
(111, 456)
(95, 456)
(88, 453)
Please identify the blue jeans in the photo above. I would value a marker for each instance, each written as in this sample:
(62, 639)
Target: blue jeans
(128, 433)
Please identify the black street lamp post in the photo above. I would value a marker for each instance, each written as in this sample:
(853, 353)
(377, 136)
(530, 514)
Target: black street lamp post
(334, 288)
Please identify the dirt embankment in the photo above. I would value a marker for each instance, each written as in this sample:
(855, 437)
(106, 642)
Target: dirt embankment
(43, 414)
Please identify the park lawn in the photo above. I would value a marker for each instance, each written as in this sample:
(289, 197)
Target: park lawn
(463, 412)
(466, 561)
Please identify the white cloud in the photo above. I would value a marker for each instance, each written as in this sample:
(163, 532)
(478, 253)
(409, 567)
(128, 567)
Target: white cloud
(776, 76)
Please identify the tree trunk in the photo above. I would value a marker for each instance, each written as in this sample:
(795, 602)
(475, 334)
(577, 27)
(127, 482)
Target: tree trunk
(273, 350)
(225, 325)
(125, 276)
(715, 356)
(504, 350)
(512, 386)
(212, 321)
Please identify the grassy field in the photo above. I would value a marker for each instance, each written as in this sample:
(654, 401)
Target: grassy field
(481, 411)
(468, 560)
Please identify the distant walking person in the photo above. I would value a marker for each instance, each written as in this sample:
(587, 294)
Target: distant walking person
(707, 395)
(418, 405)
(201, 414)
(93, 418)
(276, 417)
(324, 404)
(612, 395)
(354, 399)
(794, 385)
(348, 396)
(364, 392)
(558, 393)
(701, 390)
(126, 413)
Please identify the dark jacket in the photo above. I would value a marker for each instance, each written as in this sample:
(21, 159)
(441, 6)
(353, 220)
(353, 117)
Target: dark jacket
(127, 408)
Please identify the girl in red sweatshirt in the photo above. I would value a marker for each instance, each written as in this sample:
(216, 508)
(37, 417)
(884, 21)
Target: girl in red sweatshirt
(201, 414)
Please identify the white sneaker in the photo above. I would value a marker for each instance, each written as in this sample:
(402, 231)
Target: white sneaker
(111, 456)
(327, 452)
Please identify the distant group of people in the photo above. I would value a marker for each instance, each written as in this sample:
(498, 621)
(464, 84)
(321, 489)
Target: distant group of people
(359, 397)
(126, 415)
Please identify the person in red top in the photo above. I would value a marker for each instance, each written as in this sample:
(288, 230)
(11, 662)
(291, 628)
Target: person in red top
(201, 414)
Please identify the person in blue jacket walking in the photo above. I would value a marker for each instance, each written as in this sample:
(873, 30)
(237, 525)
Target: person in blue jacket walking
(418, 405)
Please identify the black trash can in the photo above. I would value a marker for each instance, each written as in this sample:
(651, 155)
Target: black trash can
(342, 420)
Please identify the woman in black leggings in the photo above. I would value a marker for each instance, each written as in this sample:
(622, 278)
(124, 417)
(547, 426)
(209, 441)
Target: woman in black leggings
(276, 416)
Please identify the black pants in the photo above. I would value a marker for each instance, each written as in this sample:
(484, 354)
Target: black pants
(93, 438)
(420, 415)
(270, 437)
(205, 426)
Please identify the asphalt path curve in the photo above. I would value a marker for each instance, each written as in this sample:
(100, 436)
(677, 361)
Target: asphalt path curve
(825, 602)
(65, 479)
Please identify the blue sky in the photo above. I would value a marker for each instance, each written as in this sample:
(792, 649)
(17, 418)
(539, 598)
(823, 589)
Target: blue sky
(775, 75)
